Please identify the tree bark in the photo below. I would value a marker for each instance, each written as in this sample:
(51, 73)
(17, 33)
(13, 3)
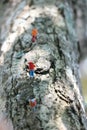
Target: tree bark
(56, 86)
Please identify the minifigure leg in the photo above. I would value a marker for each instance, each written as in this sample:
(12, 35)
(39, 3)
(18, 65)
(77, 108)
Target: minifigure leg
(34, 109)
(31, 73)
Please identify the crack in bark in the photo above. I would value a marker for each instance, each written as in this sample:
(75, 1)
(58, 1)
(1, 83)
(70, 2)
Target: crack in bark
(61, 91)
(41, 71)
(63, 97)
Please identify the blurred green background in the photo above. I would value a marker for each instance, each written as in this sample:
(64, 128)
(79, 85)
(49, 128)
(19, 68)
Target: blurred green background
(84, 84)
(83, 69)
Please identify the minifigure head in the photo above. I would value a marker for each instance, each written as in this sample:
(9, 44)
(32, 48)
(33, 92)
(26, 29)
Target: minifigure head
(30, 97)
(30, 63)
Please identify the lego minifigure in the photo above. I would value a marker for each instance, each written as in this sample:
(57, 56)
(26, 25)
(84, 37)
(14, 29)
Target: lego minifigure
(32, 103)
(31, 67)
(34, 35)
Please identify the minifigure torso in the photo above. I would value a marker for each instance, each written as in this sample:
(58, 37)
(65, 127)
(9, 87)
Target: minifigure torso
(31, 66)
(34, 32)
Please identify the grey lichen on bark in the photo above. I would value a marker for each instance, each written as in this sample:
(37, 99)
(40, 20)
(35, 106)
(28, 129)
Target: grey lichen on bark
(56, 84)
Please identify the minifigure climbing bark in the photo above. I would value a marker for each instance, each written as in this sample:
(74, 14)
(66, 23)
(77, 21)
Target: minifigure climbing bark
(31, 67)
(34, 35)
(60, 105)
(32, 104)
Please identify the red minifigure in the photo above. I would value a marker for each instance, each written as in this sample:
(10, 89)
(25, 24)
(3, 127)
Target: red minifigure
(33, 39)
(31, 67)
(32, 103)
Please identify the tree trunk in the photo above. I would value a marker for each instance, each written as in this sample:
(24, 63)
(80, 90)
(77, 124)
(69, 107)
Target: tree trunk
(56, 85)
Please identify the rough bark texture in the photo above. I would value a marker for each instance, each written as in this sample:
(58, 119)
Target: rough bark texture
(56, 85)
